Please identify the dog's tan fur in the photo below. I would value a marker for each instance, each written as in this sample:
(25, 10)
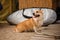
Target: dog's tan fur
(30, 24)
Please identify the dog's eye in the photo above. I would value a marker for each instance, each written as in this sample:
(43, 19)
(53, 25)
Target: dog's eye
(36, 11)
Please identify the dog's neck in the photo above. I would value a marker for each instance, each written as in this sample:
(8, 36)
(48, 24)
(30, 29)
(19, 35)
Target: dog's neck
(38, 20)
(35, 19)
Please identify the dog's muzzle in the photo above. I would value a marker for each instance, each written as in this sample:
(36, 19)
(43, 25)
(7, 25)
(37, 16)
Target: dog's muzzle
(36, 15)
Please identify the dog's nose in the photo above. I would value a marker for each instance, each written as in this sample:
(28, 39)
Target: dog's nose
(33, 13)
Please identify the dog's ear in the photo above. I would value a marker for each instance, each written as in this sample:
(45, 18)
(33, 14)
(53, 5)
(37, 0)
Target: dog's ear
(41, 11)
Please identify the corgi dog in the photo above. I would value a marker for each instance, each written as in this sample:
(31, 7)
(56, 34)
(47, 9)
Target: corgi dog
(31, 24)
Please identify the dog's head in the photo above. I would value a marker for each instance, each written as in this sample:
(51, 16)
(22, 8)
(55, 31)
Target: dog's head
(38, 13)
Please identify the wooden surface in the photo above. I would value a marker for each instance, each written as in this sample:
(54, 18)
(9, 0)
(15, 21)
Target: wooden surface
(37, 3)
(51, 32)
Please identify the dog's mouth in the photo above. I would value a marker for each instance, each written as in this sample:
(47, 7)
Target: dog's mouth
(36, 15)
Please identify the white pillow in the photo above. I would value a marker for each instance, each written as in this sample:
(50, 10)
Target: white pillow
(16, 17)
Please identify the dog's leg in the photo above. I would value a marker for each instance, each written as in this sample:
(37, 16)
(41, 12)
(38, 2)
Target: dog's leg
(36, 30)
